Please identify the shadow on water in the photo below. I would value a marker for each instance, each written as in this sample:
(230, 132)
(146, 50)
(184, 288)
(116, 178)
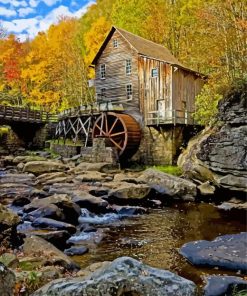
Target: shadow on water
(155, 238)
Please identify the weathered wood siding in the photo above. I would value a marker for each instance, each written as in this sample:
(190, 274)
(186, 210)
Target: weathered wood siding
(185, 87)
(154, 89)
(116, 78)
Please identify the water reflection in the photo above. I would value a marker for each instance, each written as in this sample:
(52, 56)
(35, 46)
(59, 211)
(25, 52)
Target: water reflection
(155, 238)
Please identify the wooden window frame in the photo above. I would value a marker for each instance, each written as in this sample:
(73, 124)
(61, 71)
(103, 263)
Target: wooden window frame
(128, 66)
(115, 43)
(102, 71)
(129, 91)
(152, 72)
(103, 93)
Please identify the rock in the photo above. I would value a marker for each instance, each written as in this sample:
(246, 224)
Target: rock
(7, 281)
(59, 180)
(218, 154)
(206, 189)
(170, 185)
(124, 276)
(92, 268)
(56, 237)
(91, 176)
(20, 166)
(47, 223)
(9, 260)
(36, 246)
(92, 203)
(126, 211)
(227, 252)
(38, 278)
(8, 160)
(49, 211)
(127, 191)
(233, 203)
(70, 210)
(44, 178)
(27, 179)
(41, 167)
(20, 201)
(224, 285)
(28, 158)
(8, 223)
(127, 177)
(16, 190)
(78, 250)
(101, 167)
(61, 188)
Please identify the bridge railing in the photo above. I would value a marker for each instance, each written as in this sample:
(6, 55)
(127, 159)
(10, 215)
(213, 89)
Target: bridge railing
(25, 114)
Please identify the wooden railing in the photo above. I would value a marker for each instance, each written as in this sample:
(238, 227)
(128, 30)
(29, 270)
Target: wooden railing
(9, 113)
(170, 117)
(95, 108)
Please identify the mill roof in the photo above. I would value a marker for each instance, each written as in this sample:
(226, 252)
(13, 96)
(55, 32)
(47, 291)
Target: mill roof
(143, 47)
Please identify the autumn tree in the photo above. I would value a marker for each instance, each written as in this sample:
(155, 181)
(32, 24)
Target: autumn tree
(94, 38)
(12, 54)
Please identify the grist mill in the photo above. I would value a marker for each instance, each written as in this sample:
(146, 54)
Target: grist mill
(145, 99)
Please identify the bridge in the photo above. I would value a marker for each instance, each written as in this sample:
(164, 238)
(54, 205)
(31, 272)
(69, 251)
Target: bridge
(10, 114)
(28, 126)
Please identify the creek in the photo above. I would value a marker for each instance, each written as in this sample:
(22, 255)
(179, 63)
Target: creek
(155, 238)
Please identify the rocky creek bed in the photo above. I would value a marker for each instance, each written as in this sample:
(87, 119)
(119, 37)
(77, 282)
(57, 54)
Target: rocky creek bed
(62, 218)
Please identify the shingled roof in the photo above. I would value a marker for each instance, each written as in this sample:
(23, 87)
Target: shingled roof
(149, 48)
(142, 46)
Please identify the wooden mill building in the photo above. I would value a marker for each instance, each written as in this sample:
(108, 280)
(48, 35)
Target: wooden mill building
(153, 87)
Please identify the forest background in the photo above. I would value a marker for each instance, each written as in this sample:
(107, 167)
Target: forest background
(51, 71)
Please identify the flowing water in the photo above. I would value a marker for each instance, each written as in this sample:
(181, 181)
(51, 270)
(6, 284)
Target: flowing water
(155, 238)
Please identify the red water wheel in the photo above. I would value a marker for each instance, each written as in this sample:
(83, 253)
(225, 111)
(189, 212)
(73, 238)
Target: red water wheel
(122, 131)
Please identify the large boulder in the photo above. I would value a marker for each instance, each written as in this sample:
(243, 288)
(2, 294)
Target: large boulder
(7, 281)
(128, 191)
(56, 237)
(225, 285)
(168, 184)
(92, 203)
(49, 211)
(226, 251)
(124, 276)
(8, 223)
(218, 154)
(38, 247)
(70, 210)
(41, 167)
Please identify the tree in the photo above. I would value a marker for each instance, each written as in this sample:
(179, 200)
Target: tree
(94, 38)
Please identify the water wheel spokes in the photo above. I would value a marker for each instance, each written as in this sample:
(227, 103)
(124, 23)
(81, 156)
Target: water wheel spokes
(109, 126)
(121, 131)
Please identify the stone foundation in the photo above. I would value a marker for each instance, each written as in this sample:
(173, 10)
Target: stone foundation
(162, 145)
(98, 153)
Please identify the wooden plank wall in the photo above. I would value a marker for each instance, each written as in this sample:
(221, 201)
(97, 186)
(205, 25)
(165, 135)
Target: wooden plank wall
(151, 88)
(116, 78)
(185, 87)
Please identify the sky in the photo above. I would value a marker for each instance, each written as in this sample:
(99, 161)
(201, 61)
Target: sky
(25, 18)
